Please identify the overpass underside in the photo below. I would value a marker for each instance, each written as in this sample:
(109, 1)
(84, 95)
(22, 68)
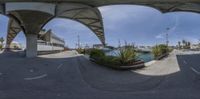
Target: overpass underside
(30, 17)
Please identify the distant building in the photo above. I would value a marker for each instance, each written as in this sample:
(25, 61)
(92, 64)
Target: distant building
(87, 46)
(172, 47)
(144, 48)
(47, 41)
(16, 45)
(98, 46)
(195, 46)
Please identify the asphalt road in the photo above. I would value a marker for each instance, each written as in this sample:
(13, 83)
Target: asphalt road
(71, 76)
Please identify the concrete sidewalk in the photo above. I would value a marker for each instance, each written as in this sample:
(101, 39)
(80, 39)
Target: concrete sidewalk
(166, 66)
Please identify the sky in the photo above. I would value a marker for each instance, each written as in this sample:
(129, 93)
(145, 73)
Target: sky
(134, 24)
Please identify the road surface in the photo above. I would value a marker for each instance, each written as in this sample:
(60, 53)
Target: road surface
(68, 75)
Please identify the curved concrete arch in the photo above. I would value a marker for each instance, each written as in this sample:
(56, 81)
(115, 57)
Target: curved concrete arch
(66, 8)
(13, 29)
(15, 25)
(90, 17)
(176, 7)
(162, 5)
(31, 6)
(169, 7)
(69, 8)
(165, 7)
(188, 7)
(38, 12)
(30, 21)
(143, 5)
(33, 16)
(85, 26)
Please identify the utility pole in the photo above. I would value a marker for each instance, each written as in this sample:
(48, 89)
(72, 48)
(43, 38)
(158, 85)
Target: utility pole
(167, 37)
(119, 42)
(78, 43)
(199, 42)
(133, 45)
(125, 42)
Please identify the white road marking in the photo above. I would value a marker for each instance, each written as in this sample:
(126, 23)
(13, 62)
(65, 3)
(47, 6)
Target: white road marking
(194, 70)
(59, 66)
(37, 77)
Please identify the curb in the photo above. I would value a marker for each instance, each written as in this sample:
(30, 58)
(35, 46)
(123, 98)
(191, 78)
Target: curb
(150, 63)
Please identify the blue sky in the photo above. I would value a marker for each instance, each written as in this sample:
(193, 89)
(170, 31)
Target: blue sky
(138, 24)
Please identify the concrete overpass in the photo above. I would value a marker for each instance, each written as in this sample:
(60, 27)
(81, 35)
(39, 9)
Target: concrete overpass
(30, 17)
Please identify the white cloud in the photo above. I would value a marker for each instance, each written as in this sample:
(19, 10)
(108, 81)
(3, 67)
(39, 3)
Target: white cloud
(160, 36)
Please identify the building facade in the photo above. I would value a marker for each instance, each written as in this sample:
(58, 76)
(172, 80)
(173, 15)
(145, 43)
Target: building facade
(48, 41)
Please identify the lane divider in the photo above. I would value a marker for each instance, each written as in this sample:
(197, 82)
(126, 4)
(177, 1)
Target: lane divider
(194, 70)
(59, 66)
(37, 77)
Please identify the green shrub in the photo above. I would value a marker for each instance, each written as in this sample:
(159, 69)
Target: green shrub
(1, 46)
(80, 51)
(109, 61)
(159, 50)
(87, 51)
(96, 53)
(163, 48)
(126, 55)
(156, 51)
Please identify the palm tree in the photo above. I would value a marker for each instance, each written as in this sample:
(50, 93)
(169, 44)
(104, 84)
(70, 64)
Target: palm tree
(179, 44)
(184, 43)
(2, 40)
(188, 45)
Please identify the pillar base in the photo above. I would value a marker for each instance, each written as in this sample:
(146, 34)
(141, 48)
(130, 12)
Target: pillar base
(7, 49)
(31, 45)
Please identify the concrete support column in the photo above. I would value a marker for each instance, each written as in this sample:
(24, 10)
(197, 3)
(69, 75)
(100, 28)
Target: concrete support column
(31, 45)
